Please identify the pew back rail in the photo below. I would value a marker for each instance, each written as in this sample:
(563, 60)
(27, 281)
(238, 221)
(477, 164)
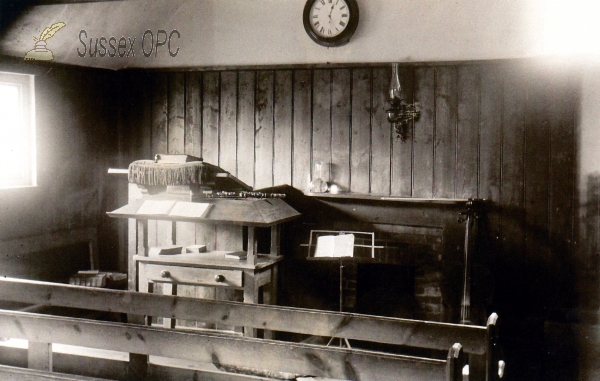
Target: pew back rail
(317, 360)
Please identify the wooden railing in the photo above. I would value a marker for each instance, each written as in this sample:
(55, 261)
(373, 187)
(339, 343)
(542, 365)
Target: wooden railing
(250, 356)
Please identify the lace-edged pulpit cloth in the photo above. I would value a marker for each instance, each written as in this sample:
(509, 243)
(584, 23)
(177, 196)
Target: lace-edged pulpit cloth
(150, 172)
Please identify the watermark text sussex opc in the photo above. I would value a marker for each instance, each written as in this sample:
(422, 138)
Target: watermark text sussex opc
(126, 47)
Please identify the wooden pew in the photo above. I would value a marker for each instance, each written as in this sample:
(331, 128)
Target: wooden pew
(473, 339)
(265, 358)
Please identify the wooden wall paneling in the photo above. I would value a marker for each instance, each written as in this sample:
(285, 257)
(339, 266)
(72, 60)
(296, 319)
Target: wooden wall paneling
(424, 132)
(282, 114)
(321, 122)
(562, 188)
(513, 168)
(490, 144)
(537, 165)
(159, 113)
(176, 113)
(381, 134)
(402, 151)
(193, 113)
(160, 91)
(444, 167)
(136, 115)
(360, 150)
(246, 127)
(340, 129)
(146, 119)
(467, 152)
(302, 131)
(210, 117)
(228, 122)
(264, 143)
(206, 233)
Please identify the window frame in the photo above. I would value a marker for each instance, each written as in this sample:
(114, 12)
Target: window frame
(26, 86)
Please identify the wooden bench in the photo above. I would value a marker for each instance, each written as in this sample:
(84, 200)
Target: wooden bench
(265, 358)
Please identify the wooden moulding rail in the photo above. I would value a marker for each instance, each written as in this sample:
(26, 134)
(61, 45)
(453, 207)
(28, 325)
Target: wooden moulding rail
(21, 374)
(230, 353)
(415, 333)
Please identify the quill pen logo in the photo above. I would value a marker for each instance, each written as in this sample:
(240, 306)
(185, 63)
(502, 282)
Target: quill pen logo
(40, 51)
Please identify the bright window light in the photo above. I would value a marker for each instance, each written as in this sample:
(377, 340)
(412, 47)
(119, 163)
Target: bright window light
(17, 131)
(571, 27)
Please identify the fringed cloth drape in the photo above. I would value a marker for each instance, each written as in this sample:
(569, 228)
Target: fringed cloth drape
(148, 172)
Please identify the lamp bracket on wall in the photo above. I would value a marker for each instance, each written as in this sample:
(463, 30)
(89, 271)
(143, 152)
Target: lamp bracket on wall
(401, 113)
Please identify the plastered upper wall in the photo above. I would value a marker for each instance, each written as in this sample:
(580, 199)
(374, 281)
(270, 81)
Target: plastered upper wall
(270, 32)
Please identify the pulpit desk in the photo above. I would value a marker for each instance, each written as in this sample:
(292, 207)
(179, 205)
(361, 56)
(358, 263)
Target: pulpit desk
(223, 225)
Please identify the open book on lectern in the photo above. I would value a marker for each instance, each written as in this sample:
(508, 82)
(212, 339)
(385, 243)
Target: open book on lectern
(335, 246)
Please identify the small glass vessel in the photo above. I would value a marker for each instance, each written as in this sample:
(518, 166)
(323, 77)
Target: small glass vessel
(318, 185)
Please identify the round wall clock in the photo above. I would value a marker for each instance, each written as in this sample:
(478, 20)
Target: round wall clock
(330, 22)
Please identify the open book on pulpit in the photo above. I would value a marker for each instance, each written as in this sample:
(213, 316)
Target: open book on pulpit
(174, 208)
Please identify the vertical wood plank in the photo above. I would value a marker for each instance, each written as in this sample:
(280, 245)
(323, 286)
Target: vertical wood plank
(381, 134)
(444, 166)
(176, 113)
(562, 168)
(424, 132)
(537, 166)
(361, 131)
(138, 117)
(185, 233)
(210, 117)
(142, 240)
(490, 151)
(263, 143)
(513, 172)
(185, 236)
(228, 122)
(402, 151)
(467, 163)
(193, 113)
(321, 140)
(252, 252)
(302, 129)
(245, 149)
(137, 368)
(164, 233)
(170, 289)
(132, 242)
(282, 161)
(159, 113)
(206, 235)
(340, 129)
(39, 356)
(229, 237)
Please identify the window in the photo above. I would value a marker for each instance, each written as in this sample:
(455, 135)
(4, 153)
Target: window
(17, 131)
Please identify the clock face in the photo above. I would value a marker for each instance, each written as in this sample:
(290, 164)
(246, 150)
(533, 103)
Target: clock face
(329, 18)
(330, 22)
